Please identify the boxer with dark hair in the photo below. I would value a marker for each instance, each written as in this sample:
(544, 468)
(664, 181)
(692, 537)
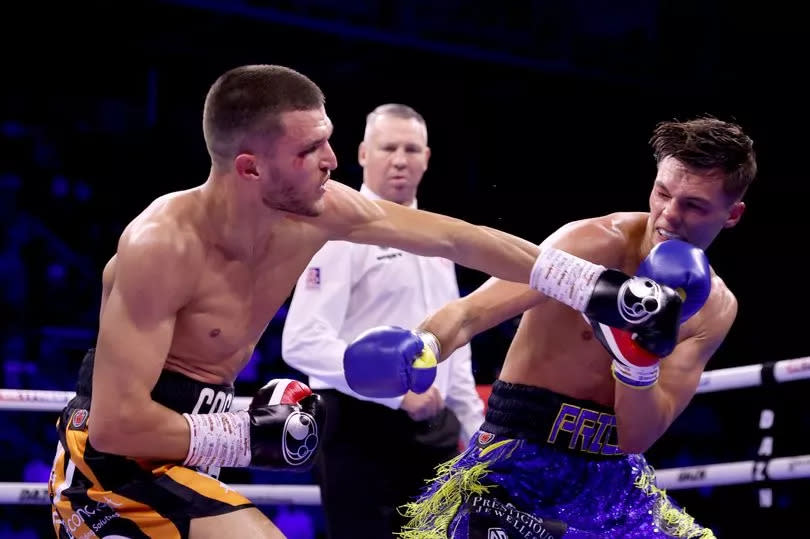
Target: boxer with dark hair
(560, 452)
(194, 282)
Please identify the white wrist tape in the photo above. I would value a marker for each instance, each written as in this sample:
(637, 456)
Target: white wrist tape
(565, 277)
(221, 439)
(431, 341)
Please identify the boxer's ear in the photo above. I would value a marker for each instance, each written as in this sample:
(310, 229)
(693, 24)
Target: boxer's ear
(734, 214)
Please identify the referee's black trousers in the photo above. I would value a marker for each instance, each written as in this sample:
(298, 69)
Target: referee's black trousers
(374, 459)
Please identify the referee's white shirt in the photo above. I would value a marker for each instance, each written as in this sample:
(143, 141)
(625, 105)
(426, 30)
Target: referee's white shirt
(348, 288)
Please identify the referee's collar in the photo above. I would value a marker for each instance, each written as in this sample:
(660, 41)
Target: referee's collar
(368, 193)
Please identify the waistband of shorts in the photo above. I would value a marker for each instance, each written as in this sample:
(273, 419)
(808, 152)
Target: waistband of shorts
(173, 390)
(541, 415)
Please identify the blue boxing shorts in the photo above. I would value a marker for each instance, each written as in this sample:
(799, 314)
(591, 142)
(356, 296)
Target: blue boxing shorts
(546, 466)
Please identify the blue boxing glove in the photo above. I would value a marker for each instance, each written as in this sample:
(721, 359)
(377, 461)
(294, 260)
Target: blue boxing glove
(388, 361)
(683, 267)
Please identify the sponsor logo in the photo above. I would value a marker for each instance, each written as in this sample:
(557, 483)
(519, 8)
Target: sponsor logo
(498, 517)
(589, 431)
(485, 437)
(760, 472)
(692, 475)
(212, 402)
(79, 419)
(33, 495)
(93, 515)
(798, 366)
(31, 395)
(799, 463)
(639, 299)
(313, 280)
(300, 438)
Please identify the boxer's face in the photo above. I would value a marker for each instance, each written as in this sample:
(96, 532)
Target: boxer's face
(690, 205)
(394, 156)
(297, 163)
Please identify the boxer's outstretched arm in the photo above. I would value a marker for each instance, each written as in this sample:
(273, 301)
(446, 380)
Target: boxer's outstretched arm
(154, 277)
(387, 361)
(350, 216)
(496, 301)
(643, 415)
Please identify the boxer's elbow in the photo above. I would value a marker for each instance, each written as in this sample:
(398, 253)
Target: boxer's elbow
(638, 436)
(642, 417)
(115, 428)
(101, 436)
(632, 444)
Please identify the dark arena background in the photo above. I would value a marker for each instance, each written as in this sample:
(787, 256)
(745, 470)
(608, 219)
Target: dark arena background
(538, 113)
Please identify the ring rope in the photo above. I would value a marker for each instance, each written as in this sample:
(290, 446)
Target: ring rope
(35, 400)
(749, 471)
(734, 473)
(728, 473)
(37, 494)
(786, 370)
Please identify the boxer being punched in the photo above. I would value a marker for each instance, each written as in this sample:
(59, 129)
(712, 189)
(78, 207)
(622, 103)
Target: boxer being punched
(195, 280)
(560, 452)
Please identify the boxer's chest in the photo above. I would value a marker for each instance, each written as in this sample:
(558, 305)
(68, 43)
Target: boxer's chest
(234, 302)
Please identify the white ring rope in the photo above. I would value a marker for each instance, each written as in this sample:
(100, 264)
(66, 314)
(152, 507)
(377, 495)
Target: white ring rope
(734, 473)
(34, 400)
(787, 370)
(730, 473)
(37, 494)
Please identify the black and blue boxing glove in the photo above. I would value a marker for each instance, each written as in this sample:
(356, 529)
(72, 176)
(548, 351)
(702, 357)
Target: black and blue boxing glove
(637, 318)
(674, 267)
(682, 267)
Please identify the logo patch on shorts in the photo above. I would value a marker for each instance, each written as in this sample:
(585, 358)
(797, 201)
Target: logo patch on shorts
(492, 518)
(78, 420)
(313, 281)
(485, 438)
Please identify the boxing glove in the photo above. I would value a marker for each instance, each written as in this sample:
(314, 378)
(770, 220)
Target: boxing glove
(388, 361)
(280, 430)
(683, 267)
(679, 266)
(609, 296)
(286, 425)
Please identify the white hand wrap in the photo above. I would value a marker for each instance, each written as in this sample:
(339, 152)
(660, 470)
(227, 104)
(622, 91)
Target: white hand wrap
(565, 277)
(221, 439)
